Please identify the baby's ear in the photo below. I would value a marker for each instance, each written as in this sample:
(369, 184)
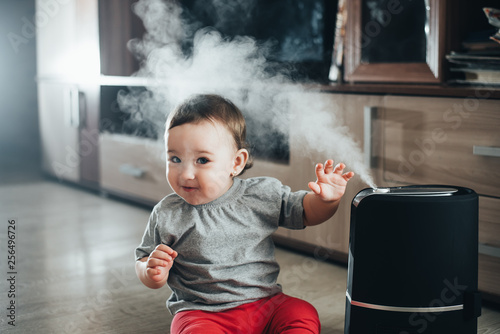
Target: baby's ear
(240, 160)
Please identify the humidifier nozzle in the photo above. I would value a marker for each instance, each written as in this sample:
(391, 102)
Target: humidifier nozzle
(381, 190)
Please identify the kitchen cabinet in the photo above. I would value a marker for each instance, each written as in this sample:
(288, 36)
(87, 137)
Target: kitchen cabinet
(439, 140)
(378, 51)
(133, 167)
(425, 134)
(118, 25)
(58, 101)
(59, 123)
(69, 138)
(67, 41)
(406, 41)
(455, 141)
(419, 140)
(67, 72)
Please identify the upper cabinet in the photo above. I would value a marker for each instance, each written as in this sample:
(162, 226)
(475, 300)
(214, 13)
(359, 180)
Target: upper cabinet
(118, 26)
(56, 40)
(395, 41)
(418, 42)
(67, 40)
(80, 40)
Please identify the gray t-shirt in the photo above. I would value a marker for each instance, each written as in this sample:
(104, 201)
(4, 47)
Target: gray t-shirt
(226, 254)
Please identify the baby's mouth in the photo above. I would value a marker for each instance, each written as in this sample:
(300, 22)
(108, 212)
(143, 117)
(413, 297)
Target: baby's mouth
(188, 189)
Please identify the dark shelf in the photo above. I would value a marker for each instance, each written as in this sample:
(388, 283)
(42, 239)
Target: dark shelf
(486, 92)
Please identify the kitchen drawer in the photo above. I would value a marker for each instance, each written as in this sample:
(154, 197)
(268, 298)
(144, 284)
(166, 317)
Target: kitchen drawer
(489, 221)
(133, 166)
(439, 140)
(489, 247)
(489, 276)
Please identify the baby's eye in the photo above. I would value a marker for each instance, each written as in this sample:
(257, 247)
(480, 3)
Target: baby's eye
(175, 160)
(202, 161)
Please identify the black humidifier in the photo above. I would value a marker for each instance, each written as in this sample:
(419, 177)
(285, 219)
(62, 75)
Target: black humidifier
(413, 261)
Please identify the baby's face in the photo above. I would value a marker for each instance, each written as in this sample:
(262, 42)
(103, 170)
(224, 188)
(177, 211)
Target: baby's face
(200, 161)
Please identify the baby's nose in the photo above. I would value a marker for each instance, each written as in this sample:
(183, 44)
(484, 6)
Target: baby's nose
(188, 173)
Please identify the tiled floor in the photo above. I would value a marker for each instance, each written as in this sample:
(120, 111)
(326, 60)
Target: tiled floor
(75, 267)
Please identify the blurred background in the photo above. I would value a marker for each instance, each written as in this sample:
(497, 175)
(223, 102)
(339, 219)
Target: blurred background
(19, 134)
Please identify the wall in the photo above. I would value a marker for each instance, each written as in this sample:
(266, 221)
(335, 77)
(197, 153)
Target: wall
(19, 135)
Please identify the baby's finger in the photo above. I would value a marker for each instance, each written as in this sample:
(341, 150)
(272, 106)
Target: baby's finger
(154, 273)
(154, 262)
(164, 248)
(161, 255)
(319, 171)
(348, 176)
(339, 169)
(314, 187)
(328, 166)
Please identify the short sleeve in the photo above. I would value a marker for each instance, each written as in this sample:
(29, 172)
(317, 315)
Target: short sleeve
(292, 208)
(150, 239)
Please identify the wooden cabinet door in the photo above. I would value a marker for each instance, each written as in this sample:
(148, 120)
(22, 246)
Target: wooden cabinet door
(67, 76)
(435, 141)
(59, 130)
(449, 141)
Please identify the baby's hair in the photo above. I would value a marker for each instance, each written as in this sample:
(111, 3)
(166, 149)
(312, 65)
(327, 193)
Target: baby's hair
(213, 108)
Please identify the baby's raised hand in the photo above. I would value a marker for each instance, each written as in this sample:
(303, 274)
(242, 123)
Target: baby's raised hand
(331, 181)
(159, 262)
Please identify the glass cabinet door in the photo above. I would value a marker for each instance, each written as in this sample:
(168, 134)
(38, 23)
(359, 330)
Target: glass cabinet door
(395, 41)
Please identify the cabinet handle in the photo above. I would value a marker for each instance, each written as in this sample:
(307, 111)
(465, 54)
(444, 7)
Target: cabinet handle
(488, 250)
(72, 107)
(132, 171)
(486, 151)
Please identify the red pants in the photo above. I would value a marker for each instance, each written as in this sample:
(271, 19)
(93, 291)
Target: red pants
(277, 314)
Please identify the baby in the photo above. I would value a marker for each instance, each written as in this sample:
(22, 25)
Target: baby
(211, 241)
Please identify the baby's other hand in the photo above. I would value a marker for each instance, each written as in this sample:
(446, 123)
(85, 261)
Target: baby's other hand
(159, 262)
(331, 182)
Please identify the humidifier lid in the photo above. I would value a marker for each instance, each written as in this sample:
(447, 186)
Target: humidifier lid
(427, 191)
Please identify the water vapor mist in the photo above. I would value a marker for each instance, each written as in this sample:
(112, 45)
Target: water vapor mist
(239, 69)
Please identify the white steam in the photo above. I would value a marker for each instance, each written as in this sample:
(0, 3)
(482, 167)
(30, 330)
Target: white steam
(238, 69)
